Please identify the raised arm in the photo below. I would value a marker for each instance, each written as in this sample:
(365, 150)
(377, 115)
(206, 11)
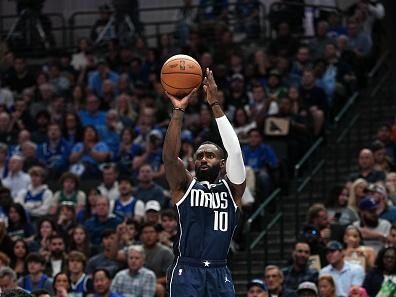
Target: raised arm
(177, 176)
(235, 167)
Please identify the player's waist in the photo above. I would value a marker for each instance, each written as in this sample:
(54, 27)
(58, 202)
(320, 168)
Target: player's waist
(203, 263)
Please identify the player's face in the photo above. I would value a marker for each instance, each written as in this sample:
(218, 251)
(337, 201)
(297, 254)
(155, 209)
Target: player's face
(207, 163)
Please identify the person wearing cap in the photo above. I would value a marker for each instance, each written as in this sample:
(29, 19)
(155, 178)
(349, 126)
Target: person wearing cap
(384, 210)
(147, 189)
(307, 289)
(345, 274)
(128, 206)
(16, 178)
(152, 212)
(257, 288)
(375, 231)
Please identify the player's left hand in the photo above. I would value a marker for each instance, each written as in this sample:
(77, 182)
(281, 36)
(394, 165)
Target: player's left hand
(210, 87)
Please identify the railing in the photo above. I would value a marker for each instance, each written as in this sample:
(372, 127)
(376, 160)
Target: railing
(275, 197)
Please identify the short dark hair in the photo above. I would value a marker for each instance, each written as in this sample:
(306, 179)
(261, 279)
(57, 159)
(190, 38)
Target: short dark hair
(56, 236)
(221, 150)
(35, 257)
(106, 233)
(15, 293)
(150, 224)
(104, 270)
(40, 292)
(169, 213)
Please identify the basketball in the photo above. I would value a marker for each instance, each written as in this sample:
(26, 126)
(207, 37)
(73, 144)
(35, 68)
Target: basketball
(180, 74)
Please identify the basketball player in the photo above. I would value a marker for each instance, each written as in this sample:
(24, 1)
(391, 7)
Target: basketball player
(206, 205)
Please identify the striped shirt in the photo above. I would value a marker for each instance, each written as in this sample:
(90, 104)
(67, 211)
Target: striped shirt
(140, 284)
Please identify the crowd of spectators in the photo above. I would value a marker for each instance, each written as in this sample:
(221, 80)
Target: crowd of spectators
(85, 207)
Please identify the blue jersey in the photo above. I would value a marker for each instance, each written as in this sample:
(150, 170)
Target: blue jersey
(207, 220)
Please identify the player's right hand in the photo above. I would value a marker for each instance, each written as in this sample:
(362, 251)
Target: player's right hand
(180, 103)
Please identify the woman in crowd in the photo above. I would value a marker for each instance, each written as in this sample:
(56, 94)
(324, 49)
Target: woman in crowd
(19, 225)
(242, 125)
(355, 252)
(79, 241)
(337, 206)
(72, 129)
(61, 284)
(46, 228)
(86, 212)
(18, 256)
(327, 287)
(125, 110)
(357, 192)
(127, 151)
(385, 269)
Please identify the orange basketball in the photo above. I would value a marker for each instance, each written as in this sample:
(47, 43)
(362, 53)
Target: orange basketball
(180, 74)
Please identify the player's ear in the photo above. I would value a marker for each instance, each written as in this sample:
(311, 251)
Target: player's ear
(222, 163)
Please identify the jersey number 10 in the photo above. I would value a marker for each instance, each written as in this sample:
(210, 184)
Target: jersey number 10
(220, 221)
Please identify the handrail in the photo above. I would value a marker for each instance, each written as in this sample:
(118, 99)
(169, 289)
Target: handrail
(346, 107)
(261, 207)
(346, 130)
(378, 65)
(265, 231)
(308, 154)
(310, 176)
(380, 83)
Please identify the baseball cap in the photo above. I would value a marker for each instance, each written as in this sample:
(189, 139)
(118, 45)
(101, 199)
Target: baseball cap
(156, 133)
(376, 188)
(367, 203)
(257, 282)
(237, 76)
(334, 245)
(307, 286)
(152, 205)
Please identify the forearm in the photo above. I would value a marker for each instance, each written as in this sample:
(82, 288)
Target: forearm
(172, 143)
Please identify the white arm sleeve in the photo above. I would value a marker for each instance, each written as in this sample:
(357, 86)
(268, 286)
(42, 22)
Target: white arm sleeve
(235, 167)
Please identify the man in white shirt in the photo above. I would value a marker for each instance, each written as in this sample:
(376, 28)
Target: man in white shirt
(16, 178)
(109, 186)
(345, 275)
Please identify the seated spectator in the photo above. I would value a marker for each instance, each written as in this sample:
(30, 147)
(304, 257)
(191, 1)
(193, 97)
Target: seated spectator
(19, 77)
(262, 159)
(35, 279)
(45, 229)
(357, 292)
(136, 280)
(157, 256)
(89, 210)
(110, 133)
(101, 220)
(256, 288)
(69, 193)
(384, 210)
(327, 286)
(375, 231)
(318, 43)
(125, 110)
(274, 278)
(72, 128)
(16, 179)
(79, 241)
(382, 162)
(18, 256)
(107, 258)
(152, 212)
(3, 160)
(302, 61)
(126, 233)
(169, 225)
(357, 193)
(80, 283)
(275, 90)
(109, 186)
(242, 124)
(56, 261)
(79, 59)
(307, 289)
(102, 280)
(55, 151)
(355, 251)
(358, 40)
(58, 79)
(41, 121)
(29, 154)
(97, 78)
(299, 271)
(345, 275)
(384, 270)
(37, 197)
(126, 205)
(66, 218)
(19, 225)
(384, 134)
(61, 284)
(366, 168)
(8, 279)
(337, 206)
(91, 115)
(127, 150)
(86, 156)
(147, 189)
(7, 134)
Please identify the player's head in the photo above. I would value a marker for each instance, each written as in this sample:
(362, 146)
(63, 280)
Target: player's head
(209, 160)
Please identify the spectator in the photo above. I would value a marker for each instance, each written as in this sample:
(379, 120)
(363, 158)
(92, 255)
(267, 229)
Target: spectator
(66, 218)
(46, 228)
(102, 283)
(110, 133)
(384, 270)
(357, 193)
(384, 210)
(169, 227)
(16, 178)
(72, 128)
(136, 280)
(358, 41)
(57, 260)
(107, 258)
(7, 133)
(384, 134)
(285, 44)
(357, 292)
(101, 220)
(242, 124)
(86, 156)
(79, 59)
(146, 188)
(303, 61)
(41, 122)
(152, 212)
(127, 151)
(299, 271)
(327, 286)
(19, 225)
(248, 13)
(69, 193)
(37, 197)
(392, 236)
(109, 186)
(35, 279)
(55, 151)
(3, 160)
(375, 231)
(8, 279)
(80, 283)
(126, 236)
(97, 78)
(19, 252)
(158, 257)
(185, 17)
(79, 241)
(128, 206)
(19, 77)
(262, 159)
(390, 184)
(337, 206)
(273, 277)
(91, 115)
(382, 162)
(318, 43)
(345, 275)
(307, 289)
(256, 288)
(61, 284)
